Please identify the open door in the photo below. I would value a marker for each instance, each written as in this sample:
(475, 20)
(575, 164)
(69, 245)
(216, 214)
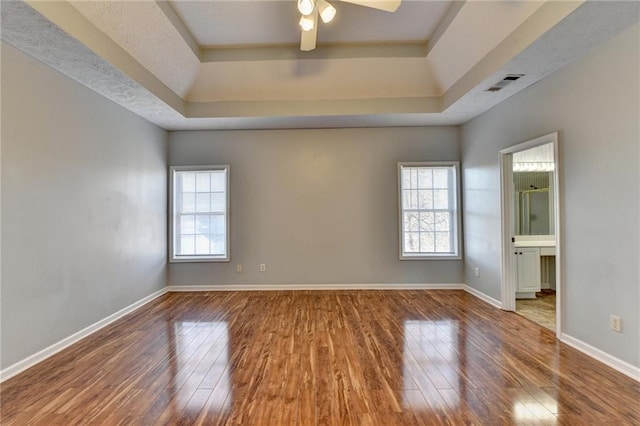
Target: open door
(530, 194)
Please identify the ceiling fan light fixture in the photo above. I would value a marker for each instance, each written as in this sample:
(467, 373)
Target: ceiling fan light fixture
(306, 6)
(306, 23)
(327, 11)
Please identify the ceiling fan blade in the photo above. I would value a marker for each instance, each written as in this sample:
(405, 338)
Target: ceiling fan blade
(308, 38)
(386, 5)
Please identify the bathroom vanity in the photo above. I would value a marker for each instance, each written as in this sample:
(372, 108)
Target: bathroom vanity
(535, 263)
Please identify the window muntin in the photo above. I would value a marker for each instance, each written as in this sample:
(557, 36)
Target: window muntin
(200, 214)
(429, 217)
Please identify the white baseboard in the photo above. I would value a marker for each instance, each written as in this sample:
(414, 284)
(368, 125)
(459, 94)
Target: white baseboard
(40, 356)
(480, 295)
(281, 287)
(613, 362)
(605, 358)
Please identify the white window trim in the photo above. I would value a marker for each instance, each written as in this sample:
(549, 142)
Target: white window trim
(457, 211)
(192, 259)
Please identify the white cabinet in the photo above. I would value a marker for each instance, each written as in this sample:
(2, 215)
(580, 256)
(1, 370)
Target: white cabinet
(528, 267)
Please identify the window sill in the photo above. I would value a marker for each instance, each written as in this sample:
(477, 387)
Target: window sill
(200, 260)
(432, 257)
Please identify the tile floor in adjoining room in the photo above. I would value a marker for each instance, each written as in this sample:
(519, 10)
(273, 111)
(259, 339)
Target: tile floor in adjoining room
(541, 310)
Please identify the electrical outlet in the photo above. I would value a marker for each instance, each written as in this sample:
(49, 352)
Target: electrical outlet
(239, 267)
(263, 267)
(477, 272)
(616, 323)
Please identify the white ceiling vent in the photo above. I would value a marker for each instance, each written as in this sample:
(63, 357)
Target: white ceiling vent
(510, 78)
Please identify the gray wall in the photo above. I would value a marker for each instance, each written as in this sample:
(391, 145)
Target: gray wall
(594, 104)
(316, 206)
(83, 207)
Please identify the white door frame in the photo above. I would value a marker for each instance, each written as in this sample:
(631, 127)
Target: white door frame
(508, 223)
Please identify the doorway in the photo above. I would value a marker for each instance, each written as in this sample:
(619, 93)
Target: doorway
(531, 249)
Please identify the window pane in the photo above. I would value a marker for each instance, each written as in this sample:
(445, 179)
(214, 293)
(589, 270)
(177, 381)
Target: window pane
(203, 182)
(406, 178)
(411, 221)
(218, 182)
(202, 224)
(426, 221)
(425, 178)
(187, 224)
(440, 199)
(202, 202)
(188, 181)
(426, 242)
(217, 244)
(425, 199)
(443, 242)
(202, 244)
(440, 178)
(217, 224)
(442, 221)
(188, 202)
(411, 242)
(218, 202)
(414, 178)
(187, 245)
(409, 199)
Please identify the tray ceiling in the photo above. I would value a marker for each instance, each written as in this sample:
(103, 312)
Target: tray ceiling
(236, 64)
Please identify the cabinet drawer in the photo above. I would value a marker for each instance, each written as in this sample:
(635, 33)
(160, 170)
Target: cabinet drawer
(547, 251)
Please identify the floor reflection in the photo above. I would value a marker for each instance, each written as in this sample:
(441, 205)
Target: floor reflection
(430, 355)
(532, 412)
(199, 364)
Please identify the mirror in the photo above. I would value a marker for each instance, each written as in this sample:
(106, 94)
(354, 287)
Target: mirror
(534, 212)
(533, 185)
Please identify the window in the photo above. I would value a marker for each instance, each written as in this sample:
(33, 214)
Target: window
(200, 214)
(429, 217)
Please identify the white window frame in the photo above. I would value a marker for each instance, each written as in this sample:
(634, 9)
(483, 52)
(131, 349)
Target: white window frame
(172, 216)
(456, 239)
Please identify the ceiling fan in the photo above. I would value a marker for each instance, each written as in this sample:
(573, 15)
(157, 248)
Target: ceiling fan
(311, 9)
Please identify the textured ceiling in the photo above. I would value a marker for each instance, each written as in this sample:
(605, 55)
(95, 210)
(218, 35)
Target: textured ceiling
(145, 32)
(235, 64)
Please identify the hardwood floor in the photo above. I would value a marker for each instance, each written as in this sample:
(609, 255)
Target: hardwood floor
(325, 358)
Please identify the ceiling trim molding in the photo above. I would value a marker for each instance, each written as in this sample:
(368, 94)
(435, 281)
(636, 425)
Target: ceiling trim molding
(327, 51)
(329, 107)
(180, 26)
